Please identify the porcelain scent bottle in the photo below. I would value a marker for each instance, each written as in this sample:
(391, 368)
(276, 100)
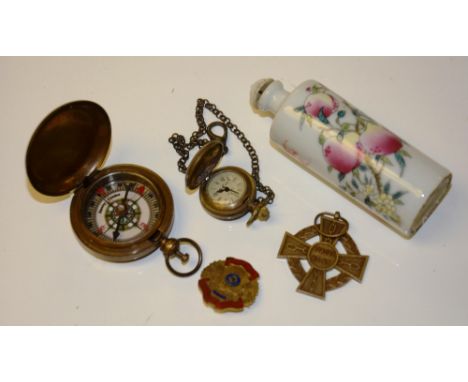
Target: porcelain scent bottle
(354, 154)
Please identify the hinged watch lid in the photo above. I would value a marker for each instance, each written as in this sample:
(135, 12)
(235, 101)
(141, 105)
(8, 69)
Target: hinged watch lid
(68, 145)
(203, 163)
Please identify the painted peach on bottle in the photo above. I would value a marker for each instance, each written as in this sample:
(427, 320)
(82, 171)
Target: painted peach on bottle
(354, 154)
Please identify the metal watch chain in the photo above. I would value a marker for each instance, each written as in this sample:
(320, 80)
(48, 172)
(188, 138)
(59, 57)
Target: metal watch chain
(183, 148)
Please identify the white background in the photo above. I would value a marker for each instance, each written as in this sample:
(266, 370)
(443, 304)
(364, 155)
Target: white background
(46, 277)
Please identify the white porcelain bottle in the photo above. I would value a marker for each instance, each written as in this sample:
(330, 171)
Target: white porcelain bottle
(354, 154)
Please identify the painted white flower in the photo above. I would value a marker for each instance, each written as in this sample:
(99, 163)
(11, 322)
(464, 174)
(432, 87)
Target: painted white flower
(385, 205)
(368, 190)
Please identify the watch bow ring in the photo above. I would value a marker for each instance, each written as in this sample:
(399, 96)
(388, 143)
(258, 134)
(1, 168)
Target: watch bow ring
(119, 213)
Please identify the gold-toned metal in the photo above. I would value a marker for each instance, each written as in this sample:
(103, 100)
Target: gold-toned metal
(200, 173)
(226, 202)
(216, 137)
(243, 199)
(323, 255)
(120, 213)
(129, 250)
(69, 145)
(259, 211)
(171, 249)
(229, 285)
(203, 163)
(155, 232)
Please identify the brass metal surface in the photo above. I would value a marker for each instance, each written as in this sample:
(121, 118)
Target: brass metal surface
(129, 250)
(171, 250)
(64, 154)
(203, 163)
(216, 137)
(259, 211)
(229, 285)
(323, 255)
(240, 208)
(67, 146)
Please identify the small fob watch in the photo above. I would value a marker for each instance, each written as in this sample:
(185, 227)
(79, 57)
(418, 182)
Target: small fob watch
(226, 193)
(354, 154)
(120, 213)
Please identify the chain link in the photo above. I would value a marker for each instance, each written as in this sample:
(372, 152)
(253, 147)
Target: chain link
(183, 148)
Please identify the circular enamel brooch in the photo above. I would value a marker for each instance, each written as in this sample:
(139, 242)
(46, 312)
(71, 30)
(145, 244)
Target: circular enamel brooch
(229, 285)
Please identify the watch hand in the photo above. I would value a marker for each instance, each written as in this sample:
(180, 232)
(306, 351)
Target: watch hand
(231, 190)
(116, 233)
(105, 200)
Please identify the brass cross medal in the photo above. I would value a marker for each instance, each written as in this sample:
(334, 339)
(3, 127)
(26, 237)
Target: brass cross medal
(323, 255)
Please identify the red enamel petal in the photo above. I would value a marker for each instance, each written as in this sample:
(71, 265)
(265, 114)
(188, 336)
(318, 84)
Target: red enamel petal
(244, 264)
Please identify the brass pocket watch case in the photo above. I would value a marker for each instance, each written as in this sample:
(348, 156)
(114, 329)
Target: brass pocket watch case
(226, 193)
(120, 213)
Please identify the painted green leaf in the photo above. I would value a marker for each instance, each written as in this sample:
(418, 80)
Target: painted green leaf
(345, 127)
(386, 160)
(322, 117)
(405, 153)
(357, 175)
(301, 121)
(308, 118)
(354, 183)
(341, 176)
(300, 109)
(329, 168)
(401, 162)
(368, 202)
(321, 139)
(316, 88)
(386, 188)
(341, 113)
(398, 194)
(363, 167)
